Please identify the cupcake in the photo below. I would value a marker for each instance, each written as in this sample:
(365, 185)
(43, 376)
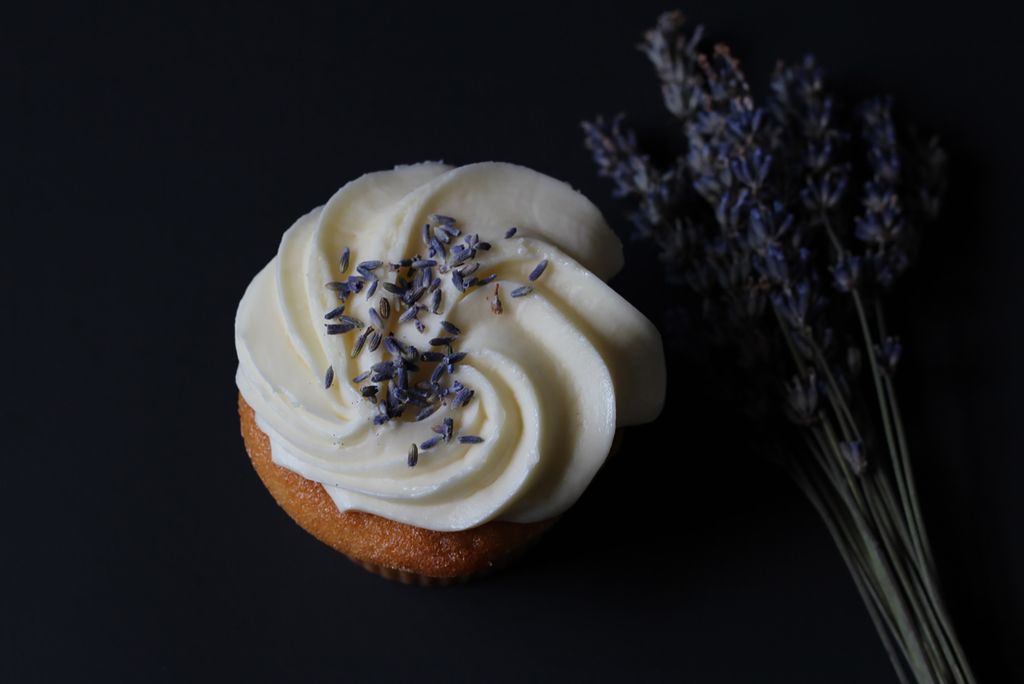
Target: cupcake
(432, 368)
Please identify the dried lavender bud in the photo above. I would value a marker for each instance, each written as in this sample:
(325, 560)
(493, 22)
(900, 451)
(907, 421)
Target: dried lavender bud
(538, 270)
(413, 458)
(510, 232)
(470, 439)
(343, 266)
(410, 355)
(888, 353)
(853, 454)
(393, 345)
(439, 371)
(375, 319)
(413, 296)
(803, 399)
(846, 274)
(335, 312)
(496, 302)
(430, 443)
(339, 328)
(522, 291)
(450, 327)
(410, 314)
(462, 397)
(355, 284)
(360, 341)
(424, 277)
(449, 231)
(329, 377)
(427, 411)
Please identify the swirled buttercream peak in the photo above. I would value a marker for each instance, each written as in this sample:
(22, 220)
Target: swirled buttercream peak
(405, 311)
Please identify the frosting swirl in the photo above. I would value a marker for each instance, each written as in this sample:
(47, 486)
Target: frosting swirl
(553, 374)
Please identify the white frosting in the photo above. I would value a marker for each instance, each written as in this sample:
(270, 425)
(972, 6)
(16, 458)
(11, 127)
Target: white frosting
(553, 375)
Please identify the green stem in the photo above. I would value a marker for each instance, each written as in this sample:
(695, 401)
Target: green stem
(845, 541)
(910, 510)
(888, 498)
(890, 529)
(848, 474)
(890, 536)
(882, 563)
(869, 349)
(927, 570)
(923, 550)
(900, 568)
(903, 561)
(801, 367)
(884, 410)
(841, 407)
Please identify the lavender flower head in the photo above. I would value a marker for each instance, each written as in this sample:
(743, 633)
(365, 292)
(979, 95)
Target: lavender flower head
(781, 227)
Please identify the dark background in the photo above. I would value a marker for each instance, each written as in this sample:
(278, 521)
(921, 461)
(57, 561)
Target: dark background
(153, 155)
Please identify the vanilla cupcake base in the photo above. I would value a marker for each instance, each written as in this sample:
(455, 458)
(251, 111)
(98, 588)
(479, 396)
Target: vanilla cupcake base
(394, 550)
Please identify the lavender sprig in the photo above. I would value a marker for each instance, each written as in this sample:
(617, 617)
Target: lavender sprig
(777, 264)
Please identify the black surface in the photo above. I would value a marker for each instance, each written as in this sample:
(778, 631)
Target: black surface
(152, 157)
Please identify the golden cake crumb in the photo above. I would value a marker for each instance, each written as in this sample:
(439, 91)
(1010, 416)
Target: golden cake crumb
(392, 549)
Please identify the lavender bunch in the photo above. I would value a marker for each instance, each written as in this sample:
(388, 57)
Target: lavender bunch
(782, 227)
